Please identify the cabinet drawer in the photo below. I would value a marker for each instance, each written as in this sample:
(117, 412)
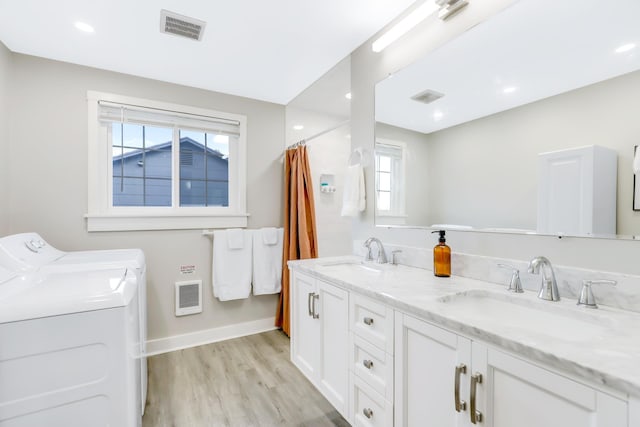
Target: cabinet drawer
(373, 365)
(369, 408)
(372, 321)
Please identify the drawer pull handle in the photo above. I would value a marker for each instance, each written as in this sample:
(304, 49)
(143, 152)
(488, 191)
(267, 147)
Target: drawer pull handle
(309, 301)
(368, 321)
(474, 414)
(460, 405)
(316, 297)
(367, 412)
(367, 364)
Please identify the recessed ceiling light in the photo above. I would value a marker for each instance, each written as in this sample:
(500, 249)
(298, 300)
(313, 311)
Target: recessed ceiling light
(437, 115)
(83, 26)
(509, 89)
(348, 95)
(298, 127)
(626, 47)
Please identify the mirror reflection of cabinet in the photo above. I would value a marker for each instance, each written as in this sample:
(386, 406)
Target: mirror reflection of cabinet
(577, 191)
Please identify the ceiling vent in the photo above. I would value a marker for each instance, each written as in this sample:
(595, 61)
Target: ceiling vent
(180, 25)
(428, 96)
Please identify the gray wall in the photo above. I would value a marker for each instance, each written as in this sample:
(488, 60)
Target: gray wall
(367, 68)
(49, 147)
(5, 69)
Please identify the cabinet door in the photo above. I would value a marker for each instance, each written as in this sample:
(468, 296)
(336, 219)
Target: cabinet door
(305, 330)
(425, 367)
(524, 395)
(333, 306)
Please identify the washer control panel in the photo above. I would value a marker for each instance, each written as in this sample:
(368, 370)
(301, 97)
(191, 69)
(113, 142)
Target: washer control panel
(20, 252)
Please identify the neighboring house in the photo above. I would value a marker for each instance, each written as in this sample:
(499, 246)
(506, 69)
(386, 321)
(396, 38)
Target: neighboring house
(143, 177)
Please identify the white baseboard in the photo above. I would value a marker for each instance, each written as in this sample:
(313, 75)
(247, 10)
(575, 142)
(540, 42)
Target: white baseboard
(208, 336)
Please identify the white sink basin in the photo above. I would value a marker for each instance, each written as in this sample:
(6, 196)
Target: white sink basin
(353, 266)
(518, 312)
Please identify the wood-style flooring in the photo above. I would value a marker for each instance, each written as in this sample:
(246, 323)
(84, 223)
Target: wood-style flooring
(242, 382)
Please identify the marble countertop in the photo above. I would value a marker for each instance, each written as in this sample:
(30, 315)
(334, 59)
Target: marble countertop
(601, 346)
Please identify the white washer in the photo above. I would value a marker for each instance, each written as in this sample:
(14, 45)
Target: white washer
(70, 349)
(28, 251)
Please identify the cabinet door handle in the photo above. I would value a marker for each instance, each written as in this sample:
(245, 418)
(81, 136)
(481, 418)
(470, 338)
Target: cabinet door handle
(367, 364)
(316, 297)
(309, 298)
(368, 321)
(460, 405)
(474, 414)
(367, 412)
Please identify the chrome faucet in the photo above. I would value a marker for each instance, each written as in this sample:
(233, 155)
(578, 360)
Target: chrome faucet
(382, 257)
(548, 286)
(586, 295)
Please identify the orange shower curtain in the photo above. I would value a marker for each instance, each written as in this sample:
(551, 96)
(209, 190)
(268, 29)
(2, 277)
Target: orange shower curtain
(300, 236)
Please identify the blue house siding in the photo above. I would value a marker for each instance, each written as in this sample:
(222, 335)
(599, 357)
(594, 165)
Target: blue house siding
(143, 178)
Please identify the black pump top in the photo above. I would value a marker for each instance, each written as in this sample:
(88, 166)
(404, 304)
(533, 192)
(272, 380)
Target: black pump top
(442, 238)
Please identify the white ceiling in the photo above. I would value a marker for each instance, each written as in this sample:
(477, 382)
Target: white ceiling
(539, 47)
(267, 50)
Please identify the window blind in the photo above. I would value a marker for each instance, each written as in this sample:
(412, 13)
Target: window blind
(114, 112)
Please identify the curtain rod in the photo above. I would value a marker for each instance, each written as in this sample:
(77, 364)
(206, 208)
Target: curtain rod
(305, 140)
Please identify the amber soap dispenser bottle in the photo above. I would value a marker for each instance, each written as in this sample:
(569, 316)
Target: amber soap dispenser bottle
(441, 256)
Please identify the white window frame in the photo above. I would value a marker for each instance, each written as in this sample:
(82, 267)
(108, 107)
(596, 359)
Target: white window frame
(397, 214)
(102, 216)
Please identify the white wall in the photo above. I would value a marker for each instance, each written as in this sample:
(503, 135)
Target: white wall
(320, 107)
(5, 69)
(367, 68)
(328, 154)
(49, 181)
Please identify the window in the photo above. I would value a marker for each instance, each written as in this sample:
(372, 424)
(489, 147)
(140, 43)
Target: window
(389, 177)
(156, 166)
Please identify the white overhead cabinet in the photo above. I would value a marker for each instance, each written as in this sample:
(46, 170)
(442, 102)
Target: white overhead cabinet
(577, 191)
(320, 337)
(444, 379)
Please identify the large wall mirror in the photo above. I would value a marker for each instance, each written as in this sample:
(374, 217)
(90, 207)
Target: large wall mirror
(526, 123)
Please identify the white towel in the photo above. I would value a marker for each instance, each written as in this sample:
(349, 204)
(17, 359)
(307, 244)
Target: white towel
(267, 262)
(270, 235)
(636, 162)
(231, 268)
(353, 200)
(235, 238)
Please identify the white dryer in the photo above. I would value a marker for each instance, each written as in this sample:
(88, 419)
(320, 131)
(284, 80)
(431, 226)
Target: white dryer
(70, 349)
(29, 251)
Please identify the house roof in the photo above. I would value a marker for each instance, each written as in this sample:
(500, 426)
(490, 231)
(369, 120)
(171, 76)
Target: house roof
(183, 140)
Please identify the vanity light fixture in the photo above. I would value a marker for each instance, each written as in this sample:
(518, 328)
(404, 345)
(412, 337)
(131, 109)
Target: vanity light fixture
(298, 127)
(626, 47)
(445, 9)
(448, 8)
(407, 23)
(83, 26)
(348, 95)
